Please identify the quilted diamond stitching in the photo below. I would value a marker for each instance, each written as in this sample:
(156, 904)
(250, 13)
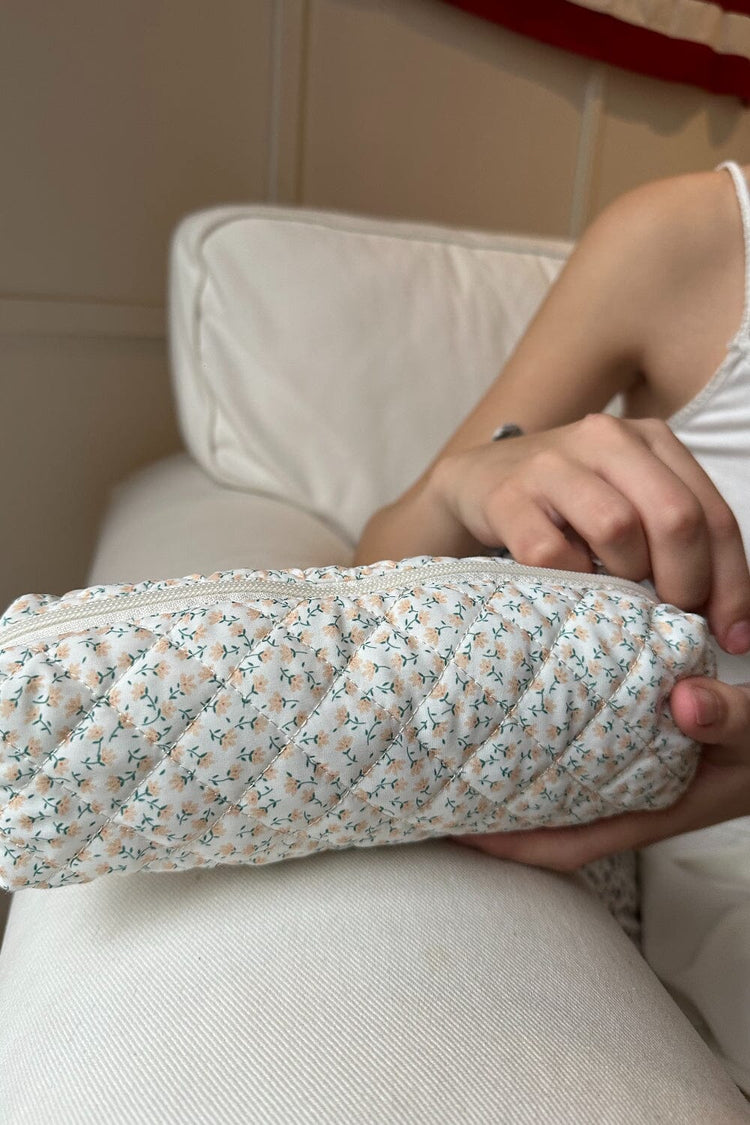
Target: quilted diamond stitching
(482, 613)
(276, 623)
(459, 774)
(341, 677)
(143, 780)
(340, 674)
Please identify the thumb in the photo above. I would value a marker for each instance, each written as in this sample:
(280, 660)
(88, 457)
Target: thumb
(711, 711)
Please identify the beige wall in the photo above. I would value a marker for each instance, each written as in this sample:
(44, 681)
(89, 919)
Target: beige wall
(119, 116)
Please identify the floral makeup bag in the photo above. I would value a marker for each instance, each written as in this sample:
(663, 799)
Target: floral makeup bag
(251, 716)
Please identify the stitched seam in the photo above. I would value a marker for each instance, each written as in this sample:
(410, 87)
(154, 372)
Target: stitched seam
(183, 615)
(404, 721)
(163, 758)
(556, 762)
(341, 675)
(53, 658)
(509, 714)
(648, 746)
(335, 225)
(228, 686)
(434, 754)
(335, 681)
(104, 697)
(482, 613)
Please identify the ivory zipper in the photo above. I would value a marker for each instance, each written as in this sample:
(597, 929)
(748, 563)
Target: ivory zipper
(119, 608)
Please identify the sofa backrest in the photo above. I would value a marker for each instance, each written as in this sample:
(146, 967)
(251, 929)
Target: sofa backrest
(325, 358)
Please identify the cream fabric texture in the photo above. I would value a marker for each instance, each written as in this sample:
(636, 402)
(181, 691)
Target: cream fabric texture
(416, 985)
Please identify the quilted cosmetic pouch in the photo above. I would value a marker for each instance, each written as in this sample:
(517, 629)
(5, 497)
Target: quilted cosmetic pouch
(250, 716)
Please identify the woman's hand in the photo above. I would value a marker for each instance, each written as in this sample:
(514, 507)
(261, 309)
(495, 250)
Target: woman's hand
(626, 491)
(719, 791)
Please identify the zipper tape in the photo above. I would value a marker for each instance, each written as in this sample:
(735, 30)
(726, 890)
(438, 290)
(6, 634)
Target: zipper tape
(118, 608)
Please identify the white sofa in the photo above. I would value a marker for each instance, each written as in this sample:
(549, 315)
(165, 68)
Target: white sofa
(319, 361)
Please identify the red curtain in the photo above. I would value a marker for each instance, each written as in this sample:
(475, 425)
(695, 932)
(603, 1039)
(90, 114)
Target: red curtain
(703, 42)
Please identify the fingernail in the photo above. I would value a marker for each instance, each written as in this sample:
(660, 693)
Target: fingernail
(706, 707)
(738, 638)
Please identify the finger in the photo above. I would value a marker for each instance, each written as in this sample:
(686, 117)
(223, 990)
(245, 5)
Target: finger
(728, 602)
(711, 711)
(531, 535)
(671, 515)
(605, 519)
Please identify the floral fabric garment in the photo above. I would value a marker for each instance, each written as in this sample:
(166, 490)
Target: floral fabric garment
(615, 880)
(254, 716)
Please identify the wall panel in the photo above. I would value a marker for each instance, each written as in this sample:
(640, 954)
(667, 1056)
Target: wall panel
(416, 110)
(116, 119)
(78, 413)
(651, 129)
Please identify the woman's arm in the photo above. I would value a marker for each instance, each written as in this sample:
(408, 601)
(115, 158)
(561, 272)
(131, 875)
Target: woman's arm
(580, 483)
(580, 349)
(628, 487)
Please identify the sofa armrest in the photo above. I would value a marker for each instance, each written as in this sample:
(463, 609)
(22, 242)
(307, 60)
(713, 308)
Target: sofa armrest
(171, 519)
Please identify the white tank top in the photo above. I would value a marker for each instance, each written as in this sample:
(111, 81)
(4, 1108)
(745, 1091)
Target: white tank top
(696, 886)
(715, 424)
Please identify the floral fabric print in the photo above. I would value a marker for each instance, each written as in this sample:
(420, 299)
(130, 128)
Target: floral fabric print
(258, 729)
(615, 879)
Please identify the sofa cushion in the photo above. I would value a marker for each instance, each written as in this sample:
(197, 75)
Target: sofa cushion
(169, 519)
(325, 358)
